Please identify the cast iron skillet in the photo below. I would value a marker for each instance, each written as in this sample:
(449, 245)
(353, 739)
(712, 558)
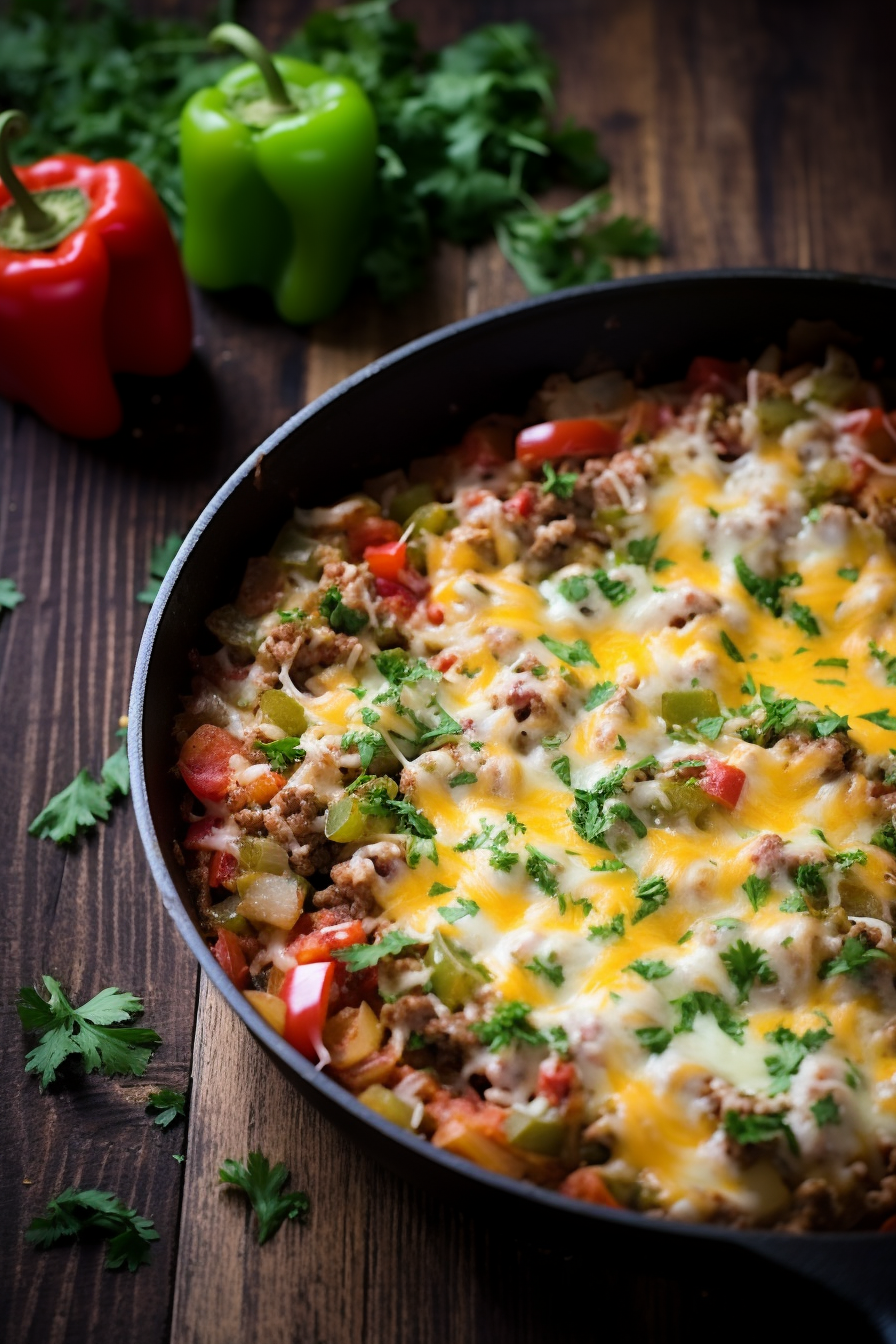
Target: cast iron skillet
(406, 405)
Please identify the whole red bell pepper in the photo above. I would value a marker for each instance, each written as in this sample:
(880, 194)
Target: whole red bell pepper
(90, 284)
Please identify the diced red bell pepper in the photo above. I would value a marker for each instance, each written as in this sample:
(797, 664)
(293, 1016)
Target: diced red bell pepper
(714, 375)
(722, 782)
(229, 955)
(106, 296)
(555, 1080)
(521, 504)
(320, 944)
(396, 595)
(306, 993)
(206, 834)
(205, 762)
(587, 1184)
(371, 530)
(566, 438)
(387, 561)
(223, 868)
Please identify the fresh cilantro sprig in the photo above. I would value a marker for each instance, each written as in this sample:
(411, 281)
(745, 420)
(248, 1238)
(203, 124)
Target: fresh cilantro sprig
(88, 1031)
(168, 1103)
(746, 964)
(767, 592)
(464, 907)
(548, 968)
(576, 654)
(508, 1024)
(561, 485)
(10, 595)
(362, 955)
(263, 1185)
(286, 751)
(793, 1050)
(408, 820)
(340, 617)
(886, 660)
(99, 1213)
(84, 802)
(853, 957)
(756, 1128)
(702, 1001)
(160, 562)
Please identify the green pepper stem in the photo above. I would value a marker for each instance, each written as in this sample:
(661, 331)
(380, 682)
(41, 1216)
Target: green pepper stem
(34, 217)
(233, 35)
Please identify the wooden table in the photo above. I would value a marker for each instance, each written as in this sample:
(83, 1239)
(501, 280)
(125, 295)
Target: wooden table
(750, 133)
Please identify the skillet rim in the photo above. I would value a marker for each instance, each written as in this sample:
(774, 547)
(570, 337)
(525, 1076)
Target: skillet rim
(776, 1245)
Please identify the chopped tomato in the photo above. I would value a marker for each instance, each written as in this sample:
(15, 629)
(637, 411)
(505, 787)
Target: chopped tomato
(714, 375)
(371, 531)
(875, 428)
(223, 868)
(722, 782)
(265, 787)
(320, 944)
(588, 1184)
(555, 1080)
(643, 422)
(403, 600)
(443, 662)
(566, 438)
(435, 615)
(205, 762)
(306, 993)
(388, 560)
(521, 504)
(229, 955)
(488, 443)
(206, 834)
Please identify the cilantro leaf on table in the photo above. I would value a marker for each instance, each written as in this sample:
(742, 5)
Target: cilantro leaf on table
(100, 1213)
(10, 595)
(362, 955)
(263, 1185)
(84, 802)
(168, 1103)
(159, 565)
(88, 1031)
(508, 1025)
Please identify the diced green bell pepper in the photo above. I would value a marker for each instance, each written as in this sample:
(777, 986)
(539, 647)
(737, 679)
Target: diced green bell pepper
(684, 707)
(409, 501)
(535, 1133)
(385, 1102)
(344, 820)
(284, 711)
(686, 796)
(832, 478)
(259, 854)
(224, 915)
(294, 548)
(774, 414)
(234, 629)
(833, 389)
(454, 976)
(278, 166)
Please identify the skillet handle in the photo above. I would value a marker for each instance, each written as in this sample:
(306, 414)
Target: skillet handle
(863, 1273)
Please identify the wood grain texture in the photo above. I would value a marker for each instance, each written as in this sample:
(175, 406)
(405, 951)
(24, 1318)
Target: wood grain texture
(756, 133)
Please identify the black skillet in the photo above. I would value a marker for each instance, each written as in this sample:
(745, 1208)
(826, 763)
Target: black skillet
(406, 405)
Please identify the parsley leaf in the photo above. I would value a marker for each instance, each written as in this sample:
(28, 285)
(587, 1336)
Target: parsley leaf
(362, 955)
(576, 654)
(159, 565)
(168, 1103)
(882, 718)
(538, 868)
(84, 802)
(562, 486)
(99, 1213)
(408, 821)
(652, 893)
(614, 590)
(600, 694)
(574, 587)
(263, 1184)
(649, 969)
(462, 777)
(730, 647)
(508, 1025)
(615, 928)
(826, 1111)
(794, 1050)
(853, 957)
(886, 660)
(439, 889)
(368, 745)
(348, 620)
(654, 1039)
(452, 913)
(86, 1031)
(794, 905)
(802, 616)
(640, 550)
(767, 592)
(745, 965)
(758, 890)
(560, 768)
(701, 1001)
(10, 596)
(755, 1128)
(549, 969)
(284, 752)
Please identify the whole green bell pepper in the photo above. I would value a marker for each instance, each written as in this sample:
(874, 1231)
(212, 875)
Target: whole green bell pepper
(278, 163)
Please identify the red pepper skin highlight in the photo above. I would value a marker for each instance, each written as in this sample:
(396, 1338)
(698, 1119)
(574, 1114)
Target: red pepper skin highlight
(110, 298)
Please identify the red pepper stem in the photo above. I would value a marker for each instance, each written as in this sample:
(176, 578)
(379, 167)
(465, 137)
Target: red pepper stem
(34, 217)
(233, 35)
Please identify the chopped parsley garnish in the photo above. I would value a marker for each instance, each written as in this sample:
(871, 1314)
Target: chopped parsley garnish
(758, 890)
(538, 866)
(508, 1025)
(409, 821)
(794, 1050)
(294, 614)
(652, 893)
(574, 588)
(416, 1041)
(809, 879)
(560, 768)
(794, 905)
(831, 662)
(462, 777)
(168, 1103)
(649, 969)
(882, 718)
(263, 1184)
(549, 968)
(600, 694)
(886, 660)
(518, 827)
(654, 1039)
(885, 836)
(88, 1031)
(730, 647)
(576, 654)
(562, 486)
(701, 1001)
(614, 928)
(559, 1040)
(753, 1128)
(369, 717)
(614, 590)
(829, 723)
(362, 955)
(710, 728)
(745, 965)
(439, 889)
(847, 857)
(640, 550)
(767, 592)
(848, 573)
(802, 616)
(853, 957)
(368, 745)
(99, 1213)
(596, 809)
(452, 913)
(284, 752)
(608, 866)
(344, 619)
(826, 1111)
